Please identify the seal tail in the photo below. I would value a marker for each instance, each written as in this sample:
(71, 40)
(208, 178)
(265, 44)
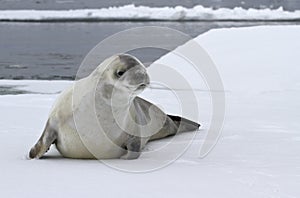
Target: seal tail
(174, 125)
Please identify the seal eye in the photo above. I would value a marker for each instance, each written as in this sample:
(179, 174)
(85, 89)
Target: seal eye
(120, 73)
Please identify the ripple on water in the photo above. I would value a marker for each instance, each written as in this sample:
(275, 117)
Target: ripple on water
(11, 90)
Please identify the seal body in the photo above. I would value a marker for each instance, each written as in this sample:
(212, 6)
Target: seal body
(101, 116)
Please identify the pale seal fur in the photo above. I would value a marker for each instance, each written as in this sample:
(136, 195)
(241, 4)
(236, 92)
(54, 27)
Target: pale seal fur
(101, 116)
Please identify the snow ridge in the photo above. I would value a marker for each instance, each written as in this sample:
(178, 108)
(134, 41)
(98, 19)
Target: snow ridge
(144, 13)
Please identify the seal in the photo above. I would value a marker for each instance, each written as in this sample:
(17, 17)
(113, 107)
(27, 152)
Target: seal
(101, 116)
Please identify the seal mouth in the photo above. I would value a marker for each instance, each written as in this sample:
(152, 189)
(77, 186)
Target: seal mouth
(138, 88)
(142, 86)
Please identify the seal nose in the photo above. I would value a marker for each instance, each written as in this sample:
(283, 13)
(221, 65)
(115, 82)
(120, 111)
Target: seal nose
(142, 79)
(147, 80)
(142, 76)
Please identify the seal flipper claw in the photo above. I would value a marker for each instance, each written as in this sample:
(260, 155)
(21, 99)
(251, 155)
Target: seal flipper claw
(133, 147)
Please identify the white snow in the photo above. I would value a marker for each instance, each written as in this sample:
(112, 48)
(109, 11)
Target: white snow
(132, 12)
(256, 156)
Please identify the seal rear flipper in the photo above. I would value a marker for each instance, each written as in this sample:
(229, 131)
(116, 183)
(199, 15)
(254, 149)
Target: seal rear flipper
(48, 137)
(184, 124)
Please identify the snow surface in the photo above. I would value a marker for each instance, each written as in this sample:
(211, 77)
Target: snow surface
(132, 12)
(256, 156)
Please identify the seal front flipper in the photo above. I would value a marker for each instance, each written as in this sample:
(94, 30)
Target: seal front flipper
(48, 137)
(173, 125)
(133, 148)
(184, 124)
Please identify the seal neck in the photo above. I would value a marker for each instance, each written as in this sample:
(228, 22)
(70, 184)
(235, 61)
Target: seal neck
(113, 96)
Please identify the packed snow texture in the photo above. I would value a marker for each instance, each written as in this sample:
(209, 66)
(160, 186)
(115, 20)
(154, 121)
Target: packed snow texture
(132, 12)
(257, 154)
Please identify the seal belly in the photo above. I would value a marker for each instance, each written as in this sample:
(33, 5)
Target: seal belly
(71, 145)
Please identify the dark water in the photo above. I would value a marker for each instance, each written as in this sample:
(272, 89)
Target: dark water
(55, 50)
(75, 4)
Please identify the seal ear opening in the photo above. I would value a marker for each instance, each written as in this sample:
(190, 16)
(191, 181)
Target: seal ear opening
(107, 91)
